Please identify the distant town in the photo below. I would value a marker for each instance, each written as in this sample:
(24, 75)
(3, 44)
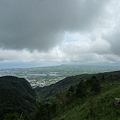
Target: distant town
(44, 76)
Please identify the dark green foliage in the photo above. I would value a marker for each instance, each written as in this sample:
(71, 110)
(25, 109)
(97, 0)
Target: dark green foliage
(91, 110)
(85, 88)
(70, 93)
(96, 88)
(81, 90)
(71, 89)
(90, 81)
(49, 91)
(103, 78)
(63, 98)
(11, 116)
(44, 111)
(93, 85)
(94, 107)
(16, 95)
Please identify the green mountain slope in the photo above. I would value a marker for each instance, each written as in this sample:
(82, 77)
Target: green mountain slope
(49, 91)
(81, 97)
(89, 97)
(16, 95)
(97, 107)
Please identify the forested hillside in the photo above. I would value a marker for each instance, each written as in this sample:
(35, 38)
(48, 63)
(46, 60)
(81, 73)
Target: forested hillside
(16, 97)
(81, 97)
(48, 91)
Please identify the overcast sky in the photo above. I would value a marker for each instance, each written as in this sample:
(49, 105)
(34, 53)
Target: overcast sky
(60, 30)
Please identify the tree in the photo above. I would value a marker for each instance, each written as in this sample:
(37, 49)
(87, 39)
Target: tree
(81, 90)
(93, 85)
(71, 89)
(96, 88)
(70, 93)
(11, 116)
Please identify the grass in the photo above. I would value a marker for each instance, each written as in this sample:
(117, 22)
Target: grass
(99, 107)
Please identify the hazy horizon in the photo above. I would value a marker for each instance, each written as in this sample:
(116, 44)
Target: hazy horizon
(9, 65)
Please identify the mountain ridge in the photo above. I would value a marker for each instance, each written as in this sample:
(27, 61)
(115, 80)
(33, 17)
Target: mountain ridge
(16, 95)
(64, 84)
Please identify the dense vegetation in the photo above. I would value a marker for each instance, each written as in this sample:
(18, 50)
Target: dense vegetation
(81, 97)
(16, 97)
(88, 97)
(94, 107)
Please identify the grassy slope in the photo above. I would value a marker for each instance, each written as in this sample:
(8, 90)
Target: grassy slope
(49, 91)
(101, 106)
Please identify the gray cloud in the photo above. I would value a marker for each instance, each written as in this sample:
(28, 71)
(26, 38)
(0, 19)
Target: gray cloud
(114, 39)
(40, 24)
(59, 30)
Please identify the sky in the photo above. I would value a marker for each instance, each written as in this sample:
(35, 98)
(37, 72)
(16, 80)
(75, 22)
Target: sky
(59, 31)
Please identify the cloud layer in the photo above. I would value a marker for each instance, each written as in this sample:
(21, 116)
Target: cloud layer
(59, 30)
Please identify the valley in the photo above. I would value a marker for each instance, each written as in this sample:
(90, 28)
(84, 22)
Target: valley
(44, 76)
(80, 97)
